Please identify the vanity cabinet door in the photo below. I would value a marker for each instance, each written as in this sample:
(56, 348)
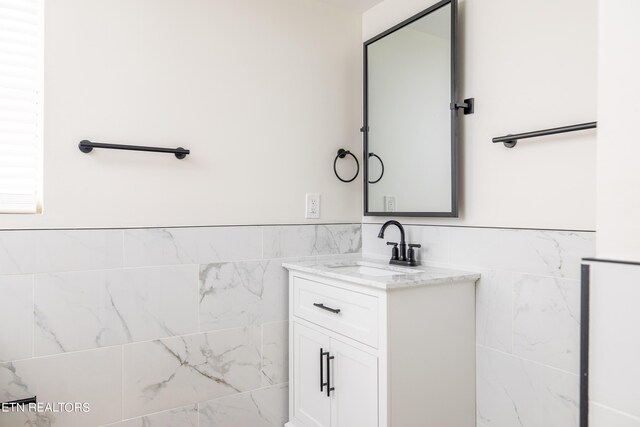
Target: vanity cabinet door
(354, 374)
(311, 406)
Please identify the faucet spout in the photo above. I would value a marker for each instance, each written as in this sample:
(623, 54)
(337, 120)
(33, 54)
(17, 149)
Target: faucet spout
(403, 246)
(392, 222)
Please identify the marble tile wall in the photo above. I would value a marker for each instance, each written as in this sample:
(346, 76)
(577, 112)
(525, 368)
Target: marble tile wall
(180, 327)
(527, 315)
(187, 326)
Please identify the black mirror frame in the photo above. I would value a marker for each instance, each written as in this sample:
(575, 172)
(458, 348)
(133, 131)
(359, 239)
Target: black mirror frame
(454, 116)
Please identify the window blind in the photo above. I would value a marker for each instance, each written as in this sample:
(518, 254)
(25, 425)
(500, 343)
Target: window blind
(20, 77)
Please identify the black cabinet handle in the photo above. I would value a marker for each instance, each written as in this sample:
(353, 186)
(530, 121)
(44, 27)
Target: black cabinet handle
(322, 306)
(329, 388)
(322, 354)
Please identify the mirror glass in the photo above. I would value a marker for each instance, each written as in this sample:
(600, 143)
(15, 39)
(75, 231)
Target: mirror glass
(409, 143)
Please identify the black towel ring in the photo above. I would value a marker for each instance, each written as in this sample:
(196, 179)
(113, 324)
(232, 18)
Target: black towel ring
(342, 153)
(381, 164)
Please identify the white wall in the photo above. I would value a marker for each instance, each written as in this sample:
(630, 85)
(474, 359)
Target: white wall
(618, 149)
(530, 66)
(614, 350)
(262, 92)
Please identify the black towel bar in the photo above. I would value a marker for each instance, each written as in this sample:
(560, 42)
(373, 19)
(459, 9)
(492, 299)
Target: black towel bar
(510, 141)
(87, 146)
(15, 403)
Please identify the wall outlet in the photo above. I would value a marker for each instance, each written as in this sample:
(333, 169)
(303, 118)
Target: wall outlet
(312, 206)
(389, 203)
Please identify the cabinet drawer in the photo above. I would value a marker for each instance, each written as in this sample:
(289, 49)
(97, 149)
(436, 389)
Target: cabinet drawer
(319, 303)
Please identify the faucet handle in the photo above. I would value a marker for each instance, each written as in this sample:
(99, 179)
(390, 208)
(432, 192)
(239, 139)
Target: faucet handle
(411, 254)
(395, 253)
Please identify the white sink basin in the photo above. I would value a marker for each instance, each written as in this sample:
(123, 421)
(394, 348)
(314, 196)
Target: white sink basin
(372, 269)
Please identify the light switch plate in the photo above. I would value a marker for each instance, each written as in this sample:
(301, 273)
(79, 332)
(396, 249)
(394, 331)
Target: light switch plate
(312, 206)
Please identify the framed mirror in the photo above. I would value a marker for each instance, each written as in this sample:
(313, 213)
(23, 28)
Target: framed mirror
(410, 119)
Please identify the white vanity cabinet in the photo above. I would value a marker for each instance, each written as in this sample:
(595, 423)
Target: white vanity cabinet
(376, 351)
(325, 363)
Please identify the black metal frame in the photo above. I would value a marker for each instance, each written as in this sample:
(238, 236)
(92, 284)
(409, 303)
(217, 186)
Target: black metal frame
(584, 345)
(87, 146)
(585, 291)
(510, 141)
(455, 105)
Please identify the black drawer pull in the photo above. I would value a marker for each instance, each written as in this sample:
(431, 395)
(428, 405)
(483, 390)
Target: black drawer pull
(322, 306)
(329, 388)
(322, 383)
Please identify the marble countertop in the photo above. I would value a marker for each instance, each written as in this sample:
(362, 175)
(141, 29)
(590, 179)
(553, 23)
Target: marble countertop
(365, 271)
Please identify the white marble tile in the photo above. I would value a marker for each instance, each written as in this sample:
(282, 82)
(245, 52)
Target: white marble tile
(195, 245)
(90, 376)
(601, 416)
(30, 419)
(275, 353)
(546, 321)
(494, 310)
(17, 252)
(512, 392)
(371, 244)
(16, 317)
(614, 336)
(266, 407)
(74, 250)
(242, 293)
(544, 253)
(90, 309)
(174, 372)
(186, 416)
(311, 240)
(434, 241)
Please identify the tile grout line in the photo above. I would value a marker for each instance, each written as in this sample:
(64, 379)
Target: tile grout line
(162, 411)
(524, 359)
(33, 316)
(122, 383)
(124, 344)
(157, 227)
(616, 411)
(512, 307)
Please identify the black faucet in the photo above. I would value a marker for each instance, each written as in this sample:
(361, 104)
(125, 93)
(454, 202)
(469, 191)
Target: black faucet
(400, 256)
